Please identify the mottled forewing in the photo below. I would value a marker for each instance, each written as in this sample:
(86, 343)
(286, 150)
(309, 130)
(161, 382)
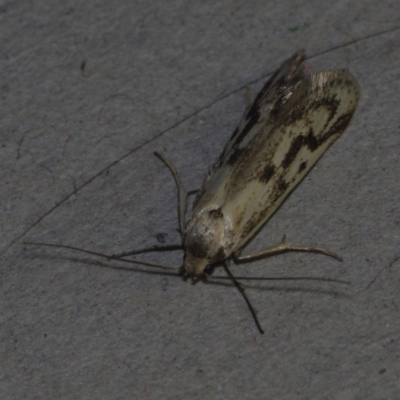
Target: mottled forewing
(261, 165)
(261, 116)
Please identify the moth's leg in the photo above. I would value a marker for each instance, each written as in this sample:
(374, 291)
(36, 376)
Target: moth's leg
(282, 248)
(182, 193)
(182, 203)
(242, 291)
(168, 247)
(156, 247)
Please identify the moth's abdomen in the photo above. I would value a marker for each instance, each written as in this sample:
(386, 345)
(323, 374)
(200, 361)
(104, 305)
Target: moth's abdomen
(208, 239)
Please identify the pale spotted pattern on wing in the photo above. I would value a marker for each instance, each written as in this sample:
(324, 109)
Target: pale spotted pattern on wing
(292, 122)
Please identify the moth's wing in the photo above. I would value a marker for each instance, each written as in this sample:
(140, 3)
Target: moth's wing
(267, 103)
(263, 162)
(266, 106)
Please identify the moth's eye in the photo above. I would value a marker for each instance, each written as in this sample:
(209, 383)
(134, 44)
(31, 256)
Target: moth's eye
(209, 269)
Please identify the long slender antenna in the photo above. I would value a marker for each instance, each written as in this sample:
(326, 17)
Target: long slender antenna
(93, 253)
(168, 247)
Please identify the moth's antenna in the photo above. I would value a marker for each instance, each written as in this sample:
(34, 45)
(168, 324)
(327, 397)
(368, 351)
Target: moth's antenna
(168, 247)
(93, 253)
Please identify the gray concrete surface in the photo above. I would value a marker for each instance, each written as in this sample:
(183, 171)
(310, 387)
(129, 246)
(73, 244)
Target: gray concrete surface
(88, 91)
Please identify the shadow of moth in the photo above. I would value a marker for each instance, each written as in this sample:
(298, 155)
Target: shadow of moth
(282, 134)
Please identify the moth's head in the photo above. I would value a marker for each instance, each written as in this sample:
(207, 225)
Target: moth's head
(207, 240)
(196, 268)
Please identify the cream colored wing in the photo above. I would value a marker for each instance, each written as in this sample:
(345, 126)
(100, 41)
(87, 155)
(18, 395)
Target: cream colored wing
(292, 122)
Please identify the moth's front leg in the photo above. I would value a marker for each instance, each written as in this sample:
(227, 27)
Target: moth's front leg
(241, 289)
(182, 193)
(182, 203)
(282, 248)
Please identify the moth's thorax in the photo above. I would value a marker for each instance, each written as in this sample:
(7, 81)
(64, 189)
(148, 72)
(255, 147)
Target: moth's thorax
(207, 239)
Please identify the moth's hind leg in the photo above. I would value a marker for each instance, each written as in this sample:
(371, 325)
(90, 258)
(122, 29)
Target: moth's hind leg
(282, 248)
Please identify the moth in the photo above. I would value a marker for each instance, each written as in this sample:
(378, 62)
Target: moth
(282, 134)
